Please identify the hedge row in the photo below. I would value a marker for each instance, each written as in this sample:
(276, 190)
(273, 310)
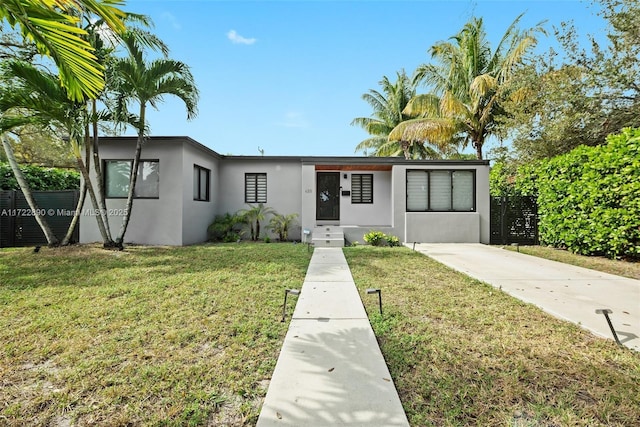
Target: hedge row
(589, 198)
(39, 178)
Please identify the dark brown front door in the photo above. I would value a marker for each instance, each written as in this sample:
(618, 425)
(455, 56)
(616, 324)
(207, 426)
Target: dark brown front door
(328, 196)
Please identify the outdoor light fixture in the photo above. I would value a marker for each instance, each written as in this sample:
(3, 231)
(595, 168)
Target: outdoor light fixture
(414, 245)
(284, 306)
(379, 292)
(606, 313)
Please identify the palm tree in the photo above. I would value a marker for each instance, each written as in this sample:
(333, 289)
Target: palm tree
(36, 97)
(253, 216)
(387, 105)
(146, 83)
(472, 81)
(280, 224)
(52, 26)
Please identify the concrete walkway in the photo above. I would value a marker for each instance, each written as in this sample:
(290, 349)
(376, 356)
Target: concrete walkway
(565, 291)
(330, 371)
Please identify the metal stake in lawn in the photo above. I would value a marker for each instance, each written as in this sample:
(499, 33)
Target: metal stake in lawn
(379, 292)
(606, 313)
(284, 306)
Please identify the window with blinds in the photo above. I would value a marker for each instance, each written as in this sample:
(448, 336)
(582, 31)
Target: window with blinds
(255, 188)
(441, 190)
(361, 188)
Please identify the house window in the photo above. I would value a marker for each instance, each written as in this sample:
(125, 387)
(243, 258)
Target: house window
(255, 188)
(441, 190)
(116, 179)
(361, 188)
(201, 179)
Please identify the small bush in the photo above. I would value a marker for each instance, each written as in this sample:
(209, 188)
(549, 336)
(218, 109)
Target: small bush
(225, 228)
(375, 238)
(378, 238)
(392, 240)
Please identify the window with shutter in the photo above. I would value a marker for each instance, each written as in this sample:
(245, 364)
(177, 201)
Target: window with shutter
(255, 188)
(441, 190)
(361, 188)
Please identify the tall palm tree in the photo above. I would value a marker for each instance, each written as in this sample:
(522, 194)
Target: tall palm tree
(146, 83)
(472, 81)
(387, 105)
(52, 26)
(37, 97)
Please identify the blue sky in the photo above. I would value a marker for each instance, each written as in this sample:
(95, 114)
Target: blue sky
(287, 76)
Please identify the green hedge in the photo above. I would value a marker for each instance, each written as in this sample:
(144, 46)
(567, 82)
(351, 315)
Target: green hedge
(39, 178)
(589, 198)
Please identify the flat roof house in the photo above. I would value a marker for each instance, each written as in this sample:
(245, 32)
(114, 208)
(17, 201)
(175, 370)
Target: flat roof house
(183, 185)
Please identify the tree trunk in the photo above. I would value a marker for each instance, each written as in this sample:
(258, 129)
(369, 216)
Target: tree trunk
(478, 146)
(107, 242)
(52, 240)
(405, 149)
(97, 166)
(76, 215)
(133, 178)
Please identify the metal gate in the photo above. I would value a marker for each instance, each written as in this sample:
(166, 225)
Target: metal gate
(514, 220)
(18, 226)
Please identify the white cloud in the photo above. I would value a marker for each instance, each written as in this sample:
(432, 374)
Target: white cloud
(294, 119)
(238, 39)
(171, 19)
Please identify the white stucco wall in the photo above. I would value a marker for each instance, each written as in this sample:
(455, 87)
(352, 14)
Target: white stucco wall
(442, 227)
(377, 213)
(153, 221)
(284, 186)
(197, 215)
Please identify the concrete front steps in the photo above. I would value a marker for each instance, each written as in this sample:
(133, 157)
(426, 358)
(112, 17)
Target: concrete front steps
(328, 236)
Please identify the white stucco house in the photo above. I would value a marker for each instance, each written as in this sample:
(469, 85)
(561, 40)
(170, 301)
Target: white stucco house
(183, 185)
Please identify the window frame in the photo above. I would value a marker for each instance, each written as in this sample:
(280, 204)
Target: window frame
(451, 190)
(256, 196)
(196, 193)
(360, 177)
(105, 177)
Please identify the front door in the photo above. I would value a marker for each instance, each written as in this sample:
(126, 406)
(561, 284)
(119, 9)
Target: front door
(328, 196)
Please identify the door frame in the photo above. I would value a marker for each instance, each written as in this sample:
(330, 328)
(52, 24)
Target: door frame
(337, 196)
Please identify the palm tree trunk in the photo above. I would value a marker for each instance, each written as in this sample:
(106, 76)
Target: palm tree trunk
(52, 240)
(478, 146)
(97, 166)
(132, 179)
(74, 221)
(107, 242)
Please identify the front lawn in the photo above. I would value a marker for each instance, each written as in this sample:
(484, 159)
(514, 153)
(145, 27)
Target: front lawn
(190, 336)
(149, 336)
(463, 353)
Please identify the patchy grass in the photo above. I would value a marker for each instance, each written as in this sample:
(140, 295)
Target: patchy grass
(618, 267)
(464, 353)
(149, 336)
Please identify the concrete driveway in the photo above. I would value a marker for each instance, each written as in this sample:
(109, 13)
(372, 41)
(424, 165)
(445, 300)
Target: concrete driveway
(565, 291)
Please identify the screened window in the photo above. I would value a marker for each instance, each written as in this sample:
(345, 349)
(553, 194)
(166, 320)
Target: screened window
(116, 178)
(255, 188)
(441, 190)
(201, 179)
(361, 188)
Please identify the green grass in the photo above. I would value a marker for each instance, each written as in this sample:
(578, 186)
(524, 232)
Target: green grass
(190, 336)
(149, 336)
(618, 267)
(463, 353)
